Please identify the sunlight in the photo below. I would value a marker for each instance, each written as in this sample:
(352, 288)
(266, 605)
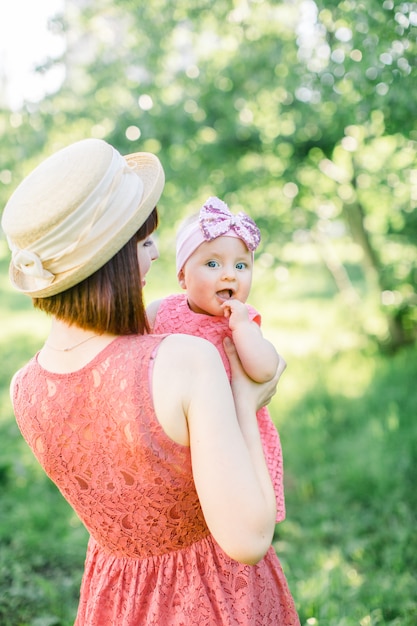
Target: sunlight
(26, 42)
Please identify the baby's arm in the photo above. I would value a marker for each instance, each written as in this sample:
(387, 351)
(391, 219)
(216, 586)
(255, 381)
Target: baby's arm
(151, 311)
(258, 356)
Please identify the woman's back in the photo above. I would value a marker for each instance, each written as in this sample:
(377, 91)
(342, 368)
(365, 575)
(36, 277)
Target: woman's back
(108, 454)
(151, 554)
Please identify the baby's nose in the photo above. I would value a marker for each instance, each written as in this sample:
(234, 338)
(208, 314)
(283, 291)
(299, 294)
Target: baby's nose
(229, 273)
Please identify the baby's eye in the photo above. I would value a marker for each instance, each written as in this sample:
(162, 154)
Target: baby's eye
(241, 266)
(212, 264)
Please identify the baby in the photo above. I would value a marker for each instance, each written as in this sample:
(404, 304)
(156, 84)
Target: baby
(215, 255)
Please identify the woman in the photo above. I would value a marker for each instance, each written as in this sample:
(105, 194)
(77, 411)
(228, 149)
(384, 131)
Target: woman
(142, 434)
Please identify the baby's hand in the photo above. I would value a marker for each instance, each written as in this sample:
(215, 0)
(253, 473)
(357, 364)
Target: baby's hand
(237, 313)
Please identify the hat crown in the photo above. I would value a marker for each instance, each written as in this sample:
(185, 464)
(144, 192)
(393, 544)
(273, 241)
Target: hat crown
(51, 192)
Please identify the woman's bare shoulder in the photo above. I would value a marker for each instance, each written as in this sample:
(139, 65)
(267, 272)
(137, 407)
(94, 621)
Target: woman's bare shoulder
(188, 347)
(183, 367)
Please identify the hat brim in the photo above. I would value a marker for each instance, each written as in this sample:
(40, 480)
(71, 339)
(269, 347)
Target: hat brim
(152, 176)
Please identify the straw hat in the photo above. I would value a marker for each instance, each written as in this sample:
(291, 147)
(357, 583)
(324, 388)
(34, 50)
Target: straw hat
(75, 211)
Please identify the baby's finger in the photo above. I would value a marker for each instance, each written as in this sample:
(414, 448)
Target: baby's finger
(226, 309)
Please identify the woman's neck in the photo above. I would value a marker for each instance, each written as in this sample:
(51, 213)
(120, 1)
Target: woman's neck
(69, 347)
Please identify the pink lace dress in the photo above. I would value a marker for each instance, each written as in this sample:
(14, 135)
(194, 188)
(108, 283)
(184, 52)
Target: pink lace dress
(151, 559)
(175, 316)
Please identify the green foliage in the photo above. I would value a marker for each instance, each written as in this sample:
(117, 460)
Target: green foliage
(299, 112)
(370, 64)
(346, 416)
(42, 546)
(351, 457)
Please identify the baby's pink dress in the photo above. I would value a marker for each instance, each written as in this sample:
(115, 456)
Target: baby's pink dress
(151, 560)
(175, 316)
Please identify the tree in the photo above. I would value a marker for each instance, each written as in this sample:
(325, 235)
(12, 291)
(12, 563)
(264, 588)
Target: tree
(300, 112)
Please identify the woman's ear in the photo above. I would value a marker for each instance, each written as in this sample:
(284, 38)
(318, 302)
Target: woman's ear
(181, 279)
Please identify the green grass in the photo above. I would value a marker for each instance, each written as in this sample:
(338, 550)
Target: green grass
(346, 416)
(350, 450)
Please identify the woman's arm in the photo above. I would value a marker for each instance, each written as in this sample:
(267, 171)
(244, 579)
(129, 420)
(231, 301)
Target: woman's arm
(194, 405)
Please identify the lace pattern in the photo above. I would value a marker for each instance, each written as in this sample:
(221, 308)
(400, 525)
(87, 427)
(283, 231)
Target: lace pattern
(151, 560)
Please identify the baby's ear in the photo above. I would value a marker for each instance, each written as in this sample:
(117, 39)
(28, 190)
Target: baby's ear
(181, 279)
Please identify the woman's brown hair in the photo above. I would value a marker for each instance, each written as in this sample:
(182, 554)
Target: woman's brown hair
(111, 299)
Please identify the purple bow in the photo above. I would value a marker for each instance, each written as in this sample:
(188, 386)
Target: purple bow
(216, 220)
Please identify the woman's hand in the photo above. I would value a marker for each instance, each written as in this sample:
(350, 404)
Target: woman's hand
(257, 394)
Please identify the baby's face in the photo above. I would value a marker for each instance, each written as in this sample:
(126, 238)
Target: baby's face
(217, 271)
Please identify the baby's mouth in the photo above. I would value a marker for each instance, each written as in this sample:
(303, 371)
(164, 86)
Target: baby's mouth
(225, 294)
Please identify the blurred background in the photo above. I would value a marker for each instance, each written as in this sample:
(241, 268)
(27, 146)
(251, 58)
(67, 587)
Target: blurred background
(303, 114)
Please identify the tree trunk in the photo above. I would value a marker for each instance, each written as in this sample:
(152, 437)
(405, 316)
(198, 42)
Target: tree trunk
(355, 218)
